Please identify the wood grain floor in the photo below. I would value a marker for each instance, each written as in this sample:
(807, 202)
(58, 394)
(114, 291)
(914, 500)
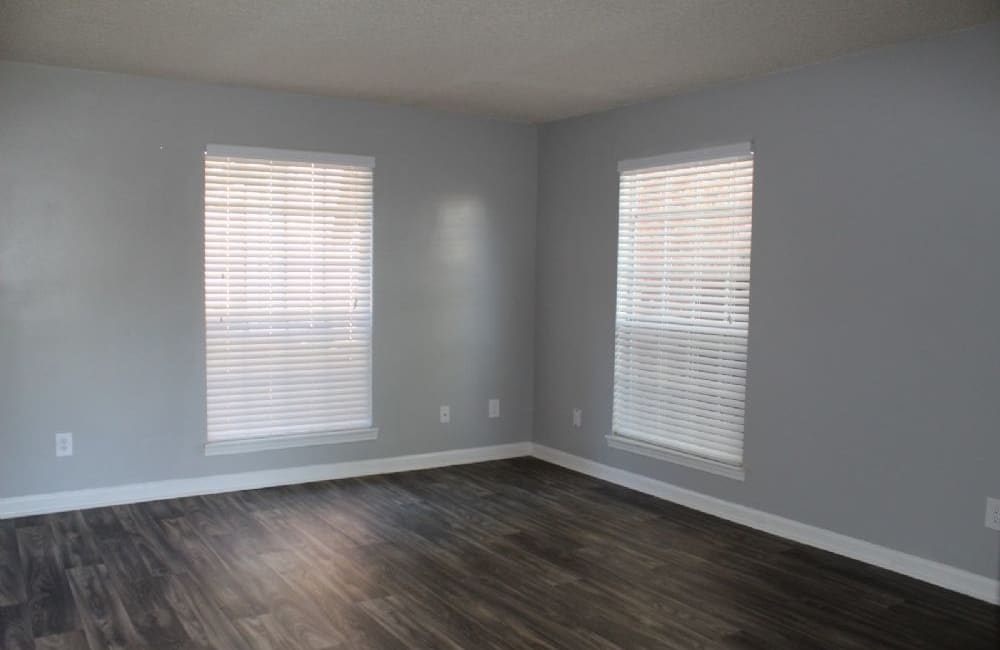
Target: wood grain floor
(512, 554)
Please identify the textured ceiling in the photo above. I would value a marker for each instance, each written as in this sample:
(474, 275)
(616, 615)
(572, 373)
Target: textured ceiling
(531, 60)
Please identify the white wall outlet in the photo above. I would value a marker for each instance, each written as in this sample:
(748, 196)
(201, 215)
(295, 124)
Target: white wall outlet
(494, 408)
(577, 418)
(993, 513)
(445, 414)
(64, 444)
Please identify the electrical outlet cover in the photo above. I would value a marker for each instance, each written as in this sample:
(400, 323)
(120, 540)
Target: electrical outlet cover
(64, 444)
(993, 513)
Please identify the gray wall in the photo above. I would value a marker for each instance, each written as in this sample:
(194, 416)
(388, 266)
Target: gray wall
(101, 326)
(874, 353)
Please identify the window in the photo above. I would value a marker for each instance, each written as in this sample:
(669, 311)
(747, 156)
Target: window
(683, 307)
(288, 298)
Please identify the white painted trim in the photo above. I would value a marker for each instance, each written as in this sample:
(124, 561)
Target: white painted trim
(290, 155)
(740, 150)
(264, 443)
(942, 575)
(38, 504)
(663, 453)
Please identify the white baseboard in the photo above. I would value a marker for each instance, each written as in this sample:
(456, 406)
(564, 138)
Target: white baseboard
(942, 575)
(39, 504)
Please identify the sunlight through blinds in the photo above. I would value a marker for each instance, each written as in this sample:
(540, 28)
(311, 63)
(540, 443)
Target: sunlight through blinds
(288, 292)
(683, 302)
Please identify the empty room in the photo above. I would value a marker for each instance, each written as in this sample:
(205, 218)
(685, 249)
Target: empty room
(466, 324)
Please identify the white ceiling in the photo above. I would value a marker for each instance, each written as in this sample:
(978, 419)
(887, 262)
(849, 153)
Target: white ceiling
(531, 60)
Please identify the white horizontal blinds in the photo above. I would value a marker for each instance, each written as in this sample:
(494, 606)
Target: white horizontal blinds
(288, 298)
(683, 305)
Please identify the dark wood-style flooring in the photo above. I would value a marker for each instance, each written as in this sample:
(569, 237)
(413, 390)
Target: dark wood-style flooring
(512, 554)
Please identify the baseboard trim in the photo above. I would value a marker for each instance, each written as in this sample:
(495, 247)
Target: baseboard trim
(40, 504)
(936, 573)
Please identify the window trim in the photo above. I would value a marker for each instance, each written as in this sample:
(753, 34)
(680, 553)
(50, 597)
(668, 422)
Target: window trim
(660, 452)
(250, 444)
(687, 157)
(649, 449)
(290, 155)
(288, 441)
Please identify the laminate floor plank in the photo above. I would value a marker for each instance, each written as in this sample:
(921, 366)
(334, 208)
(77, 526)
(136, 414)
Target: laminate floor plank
(507, 554)
(104, 619)
(434, 586)
(15, 628)
(147, 535)
(75, 640)
(146, 604)
(263, 633)
(12, 590)
(206, 625)
(407, 626)
(74, 540)
(50, 602)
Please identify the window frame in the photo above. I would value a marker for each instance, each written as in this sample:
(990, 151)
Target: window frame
(649, 448)
(274, 441)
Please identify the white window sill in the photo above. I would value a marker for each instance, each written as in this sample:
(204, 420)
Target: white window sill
(680, 458)
(265, 443)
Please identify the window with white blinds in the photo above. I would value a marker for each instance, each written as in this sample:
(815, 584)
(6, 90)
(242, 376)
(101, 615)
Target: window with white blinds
(683, 304)
(288, 293)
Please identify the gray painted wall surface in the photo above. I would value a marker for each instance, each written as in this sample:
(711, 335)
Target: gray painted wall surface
(874, 352)
(101, 327)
